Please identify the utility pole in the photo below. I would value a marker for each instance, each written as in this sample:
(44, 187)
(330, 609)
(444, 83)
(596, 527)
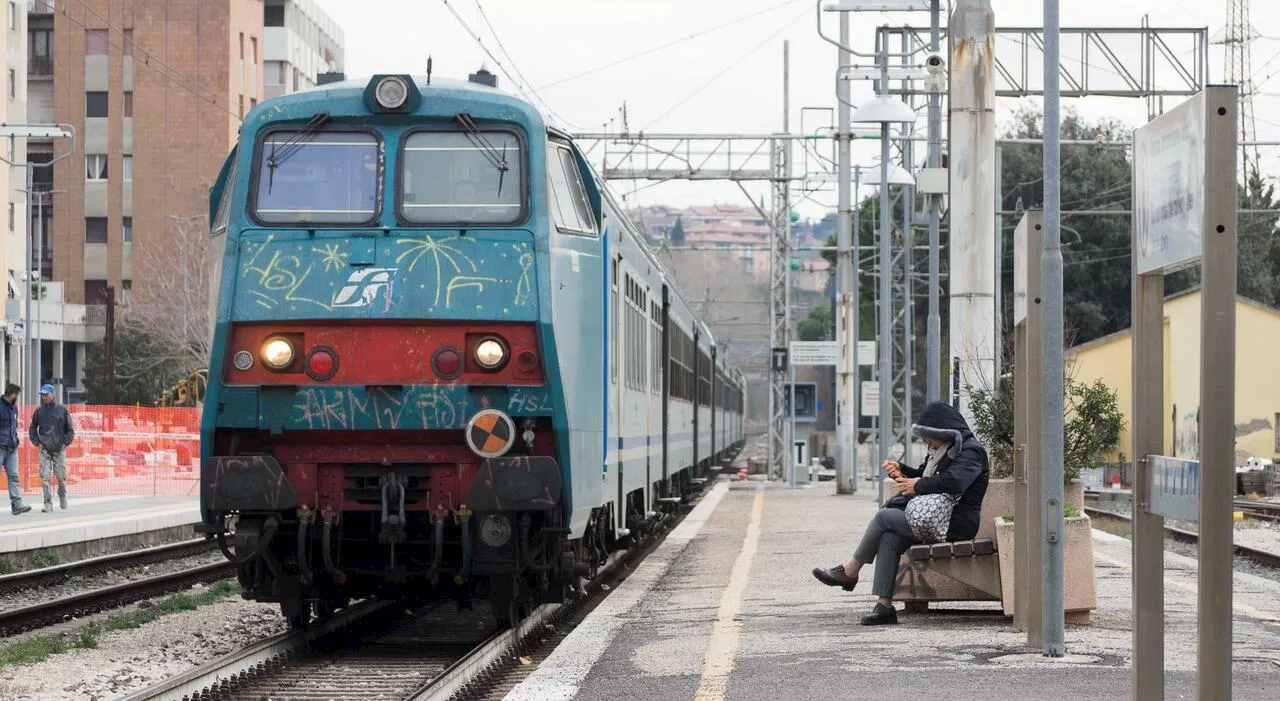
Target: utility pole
(973, 218)
(846, 289)
(933, 341)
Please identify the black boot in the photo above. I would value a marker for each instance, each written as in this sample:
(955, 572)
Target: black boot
(881, 615)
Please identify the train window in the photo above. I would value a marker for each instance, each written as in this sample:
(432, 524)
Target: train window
(223, 213)
(323, 178)
(459, 177)
(568, 196)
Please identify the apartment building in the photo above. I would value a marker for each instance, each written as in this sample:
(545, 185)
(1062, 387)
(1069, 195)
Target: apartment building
(302, 43)
(155, 90)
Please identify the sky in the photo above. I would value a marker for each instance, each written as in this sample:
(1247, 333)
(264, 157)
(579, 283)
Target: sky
(575, 56)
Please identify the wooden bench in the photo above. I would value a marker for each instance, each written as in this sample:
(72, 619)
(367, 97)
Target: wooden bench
(966, 570)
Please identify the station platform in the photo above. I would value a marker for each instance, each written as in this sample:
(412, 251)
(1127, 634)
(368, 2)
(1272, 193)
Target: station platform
(97, 525)
(726, 608)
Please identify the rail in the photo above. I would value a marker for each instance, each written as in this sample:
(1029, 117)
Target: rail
(1261, 557)
(56, 574)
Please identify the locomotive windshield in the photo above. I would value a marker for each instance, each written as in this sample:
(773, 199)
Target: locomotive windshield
(462, 177)
(324, 178)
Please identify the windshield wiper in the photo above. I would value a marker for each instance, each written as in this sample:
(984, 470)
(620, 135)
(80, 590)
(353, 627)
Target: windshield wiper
(280, 152)
(496, 158)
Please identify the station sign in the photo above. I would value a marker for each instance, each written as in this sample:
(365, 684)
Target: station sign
(870, 398)
(814, 353)
(1175, 488)
(1169, 187)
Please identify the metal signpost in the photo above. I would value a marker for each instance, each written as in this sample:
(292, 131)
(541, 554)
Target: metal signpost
(806, 353)
(1184, 197)
(1028, 520)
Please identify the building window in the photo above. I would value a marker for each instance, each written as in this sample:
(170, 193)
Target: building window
(95, 42)
(128, 229)
(95, 230)
(274, 72)
(95, 104)
(126, 292)
(13, 16)
(241, 46)
(95, 291)
(10, 216)
(253, 46)
(253, 102)
(39, 56)
(128, 104)
(127, 169)
(242, 106)
(273, 16)
(95, 166)
(128, 42)
(13, 84)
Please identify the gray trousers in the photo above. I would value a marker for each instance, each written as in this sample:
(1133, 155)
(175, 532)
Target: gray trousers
(887, 537)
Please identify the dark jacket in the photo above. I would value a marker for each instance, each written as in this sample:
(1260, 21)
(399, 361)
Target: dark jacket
(8, 425)
(51, 427)
(963, 470)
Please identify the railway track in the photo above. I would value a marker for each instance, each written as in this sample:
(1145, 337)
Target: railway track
(46, 613)
(57, 574)
(1261, 557)
(380, 650)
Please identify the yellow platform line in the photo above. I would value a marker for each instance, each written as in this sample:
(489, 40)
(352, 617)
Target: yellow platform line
(726, 633)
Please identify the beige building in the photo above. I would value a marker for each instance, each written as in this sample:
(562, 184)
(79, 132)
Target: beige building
(301, 44)
(1257, 382)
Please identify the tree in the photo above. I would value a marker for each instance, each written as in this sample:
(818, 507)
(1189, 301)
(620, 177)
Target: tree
(172, 301)
(1258, 244)
(677, 232)
(816, 326)
(145, 366)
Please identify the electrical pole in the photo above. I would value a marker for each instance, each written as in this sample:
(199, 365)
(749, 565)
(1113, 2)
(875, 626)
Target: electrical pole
(933, 364)
(846, 290)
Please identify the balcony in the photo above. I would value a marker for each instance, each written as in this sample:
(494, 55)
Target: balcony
(40, 7)
(59, 320)
(39, 66)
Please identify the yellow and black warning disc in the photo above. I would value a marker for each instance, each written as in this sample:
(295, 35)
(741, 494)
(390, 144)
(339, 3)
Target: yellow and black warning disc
(490, 433)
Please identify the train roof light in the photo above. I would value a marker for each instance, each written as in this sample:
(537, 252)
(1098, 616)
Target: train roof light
(392, 93)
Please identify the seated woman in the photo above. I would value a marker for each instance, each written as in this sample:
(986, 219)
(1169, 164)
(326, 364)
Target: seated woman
(957, 465)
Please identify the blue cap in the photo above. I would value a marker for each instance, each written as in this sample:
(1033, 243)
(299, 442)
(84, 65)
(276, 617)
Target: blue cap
(47, 389)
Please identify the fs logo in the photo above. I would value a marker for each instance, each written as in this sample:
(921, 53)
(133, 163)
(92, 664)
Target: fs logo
(364, 286)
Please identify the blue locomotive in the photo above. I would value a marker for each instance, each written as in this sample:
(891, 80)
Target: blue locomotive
(444, 360)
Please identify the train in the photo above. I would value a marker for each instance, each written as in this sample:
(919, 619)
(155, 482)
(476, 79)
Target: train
(444, 361)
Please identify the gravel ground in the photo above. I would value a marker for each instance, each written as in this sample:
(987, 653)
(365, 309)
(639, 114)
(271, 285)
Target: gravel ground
(128, 660)
(79, 585)
(1262, 535)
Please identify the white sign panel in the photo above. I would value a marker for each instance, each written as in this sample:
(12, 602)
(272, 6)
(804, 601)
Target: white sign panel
(866, 352)
(1168, 172)
(814, 353)
(870, 398)
(1175, 488)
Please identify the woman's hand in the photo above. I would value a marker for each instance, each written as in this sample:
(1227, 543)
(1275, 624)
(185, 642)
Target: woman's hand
(893, 469)
(908, 485)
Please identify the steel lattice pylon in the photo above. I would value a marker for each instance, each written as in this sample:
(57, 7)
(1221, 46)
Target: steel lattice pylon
(779, 299)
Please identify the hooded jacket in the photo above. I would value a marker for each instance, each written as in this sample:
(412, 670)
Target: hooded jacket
(964, 470)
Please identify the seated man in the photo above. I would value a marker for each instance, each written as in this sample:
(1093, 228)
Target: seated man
(957, 465)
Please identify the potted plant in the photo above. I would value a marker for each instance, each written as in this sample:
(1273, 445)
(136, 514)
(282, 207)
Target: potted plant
(1093, 423)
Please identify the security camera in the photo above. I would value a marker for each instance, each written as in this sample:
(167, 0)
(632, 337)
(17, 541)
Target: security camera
(935, 63)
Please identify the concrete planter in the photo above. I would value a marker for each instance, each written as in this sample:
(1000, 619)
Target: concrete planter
(1081, 594)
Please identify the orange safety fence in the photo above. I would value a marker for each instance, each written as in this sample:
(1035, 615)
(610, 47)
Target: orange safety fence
(122, 451)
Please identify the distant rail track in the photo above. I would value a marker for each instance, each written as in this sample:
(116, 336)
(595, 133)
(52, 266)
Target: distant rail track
(36, 615)
(1261, 557)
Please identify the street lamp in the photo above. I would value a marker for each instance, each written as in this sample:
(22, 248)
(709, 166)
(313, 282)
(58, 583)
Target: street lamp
(885, 110)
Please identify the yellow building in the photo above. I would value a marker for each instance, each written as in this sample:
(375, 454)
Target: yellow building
(1257, 380)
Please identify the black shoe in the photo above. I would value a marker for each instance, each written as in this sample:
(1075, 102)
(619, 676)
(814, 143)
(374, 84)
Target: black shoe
(881, 615)
(21, 510)
(835, 577)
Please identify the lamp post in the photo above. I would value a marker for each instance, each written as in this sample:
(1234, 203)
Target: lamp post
(885, 110)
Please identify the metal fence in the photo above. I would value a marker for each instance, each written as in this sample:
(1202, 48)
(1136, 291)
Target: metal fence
(122, 451)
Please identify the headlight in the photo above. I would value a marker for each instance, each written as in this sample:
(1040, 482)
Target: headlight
(391, 92)
(277, 353)
(490, 353)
